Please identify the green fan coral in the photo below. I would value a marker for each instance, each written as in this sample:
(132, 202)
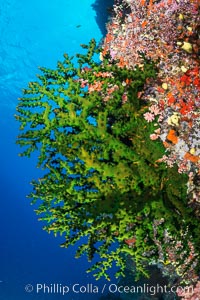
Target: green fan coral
(102, 180)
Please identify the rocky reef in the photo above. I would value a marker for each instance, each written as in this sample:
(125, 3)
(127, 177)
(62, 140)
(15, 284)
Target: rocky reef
(118, 142)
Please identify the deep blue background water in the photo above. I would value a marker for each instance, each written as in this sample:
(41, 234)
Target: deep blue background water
(35, 33)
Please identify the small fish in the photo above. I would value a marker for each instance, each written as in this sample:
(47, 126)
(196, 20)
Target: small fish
(78, 26)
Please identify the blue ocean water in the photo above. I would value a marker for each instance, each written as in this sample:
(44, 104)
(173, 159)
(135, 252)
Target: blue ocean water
(36, 33)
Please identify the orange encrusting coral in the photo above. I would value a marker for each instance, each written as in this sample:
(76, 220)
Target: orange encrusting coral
(191, 157)
(172, 137)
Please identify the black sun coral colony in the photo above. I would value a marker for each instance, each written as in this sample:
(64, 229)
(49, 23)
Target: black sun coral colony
(103, 179)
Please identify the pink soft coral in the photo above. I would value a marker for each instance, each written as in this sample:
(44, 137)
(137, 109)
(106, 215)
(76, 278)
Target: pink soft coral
(154, 109)
(149, 117)
(190, 293)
